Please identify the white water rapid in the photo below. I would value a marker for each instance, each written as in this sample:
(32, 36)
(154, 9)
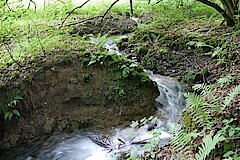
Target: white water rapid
(91, 146)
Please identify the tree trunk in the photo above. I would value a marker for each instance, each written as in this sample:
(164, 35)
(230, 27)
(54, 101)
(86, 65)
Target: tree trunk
(229, 12)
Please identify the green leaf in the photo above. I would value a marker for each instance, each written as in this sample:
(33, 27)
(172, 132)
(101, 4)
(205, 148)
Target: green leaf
(236, 158)
(8, 115)
(217, 51)
(16, 112)
(133, 65)
(15, 102)
(134, 124)
(228, 154)
(235, 91)
(231, 133)
(208, 145)
(125, 72)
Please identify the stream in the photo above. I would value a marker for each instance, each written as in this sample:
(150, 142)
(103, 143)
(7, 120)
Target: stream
(86, 145)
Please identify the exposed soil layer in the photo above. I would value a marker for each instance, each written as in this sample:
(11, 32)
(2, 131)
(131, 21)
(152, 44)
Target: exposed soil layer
(111, 24)
(69, 96)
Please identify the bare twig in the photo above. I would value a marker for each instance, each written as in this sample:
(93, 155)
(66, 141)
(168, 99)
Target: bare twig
(43, 51)
(131, 7)
(61, 1)
(35, 6)
(29, 4)
(158, 1)
(109, 9)
(11, 56)
(73, 11)
(6, 3)
(149, 1)
(87, 19)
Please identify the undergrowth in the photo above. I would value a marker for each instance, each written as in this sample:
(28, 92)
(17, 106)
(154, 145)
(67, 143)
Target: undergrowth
(211, 125)
(211, 118)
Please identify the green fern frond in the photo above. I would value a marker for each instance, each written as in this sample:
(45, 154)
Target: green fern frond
(208, 145)
(175, 130)
(201, 87)
(206, 90)
(193, 99)
(181, 146)
(199, 109)
(225, 80)
(227, 100)
(182, 139)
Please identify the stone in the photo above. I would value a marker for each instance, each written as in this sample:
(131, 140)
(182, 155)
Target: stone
(49, 125)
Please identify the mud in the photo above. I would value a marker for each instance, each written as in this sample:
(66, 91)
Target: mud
(111, 24)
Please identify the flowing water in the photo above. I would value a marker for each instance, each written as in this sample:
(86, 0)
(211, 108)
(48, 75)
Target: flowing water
(84, 145)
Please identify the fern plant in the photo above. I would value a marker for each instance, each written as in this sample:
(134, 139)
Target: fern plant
(235, 91)
(203, 111)
(209, 143)
(204, 128)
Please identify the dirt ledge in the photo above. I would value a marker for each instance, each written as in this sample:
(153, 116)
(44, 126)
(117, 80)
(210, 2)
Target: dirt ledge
(70, 95)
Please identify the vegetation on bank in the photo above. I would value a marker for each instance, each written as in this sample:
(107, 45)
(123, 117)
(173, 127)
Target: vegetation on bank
(183, 39)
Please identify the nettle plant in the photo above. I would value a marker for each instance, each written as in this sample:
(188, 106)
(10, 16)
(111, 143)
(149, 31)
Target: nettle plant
(8, 110)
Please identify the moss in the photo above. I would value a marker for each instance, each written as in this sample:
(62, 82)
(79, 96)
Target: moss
(15, 74)
(68, 60)
(87, 77)
(150, 62)
(142, 50)
(196, 76)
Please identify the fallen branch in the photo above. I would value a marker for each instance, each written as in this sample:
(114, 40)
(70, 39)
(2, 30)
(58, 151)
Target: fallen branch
(82, 21)
(73, 11)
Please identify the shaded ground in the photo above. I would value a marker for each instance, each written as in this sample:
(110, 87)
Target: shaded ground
(112, 24)
(185, 51)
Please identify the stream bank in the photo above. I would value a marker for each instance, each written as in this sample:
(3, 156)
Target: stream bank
(164, 60)
(93, 91)
(79, 92)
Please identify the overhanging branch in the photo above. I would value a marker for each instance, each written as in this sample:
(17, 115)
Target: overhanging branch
(73, 11)
(109, 9)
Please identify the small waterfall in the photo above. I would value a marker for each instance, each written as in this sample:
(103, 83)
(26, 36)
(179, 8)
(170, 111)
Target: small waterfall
(171, 101)
(82, 145)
